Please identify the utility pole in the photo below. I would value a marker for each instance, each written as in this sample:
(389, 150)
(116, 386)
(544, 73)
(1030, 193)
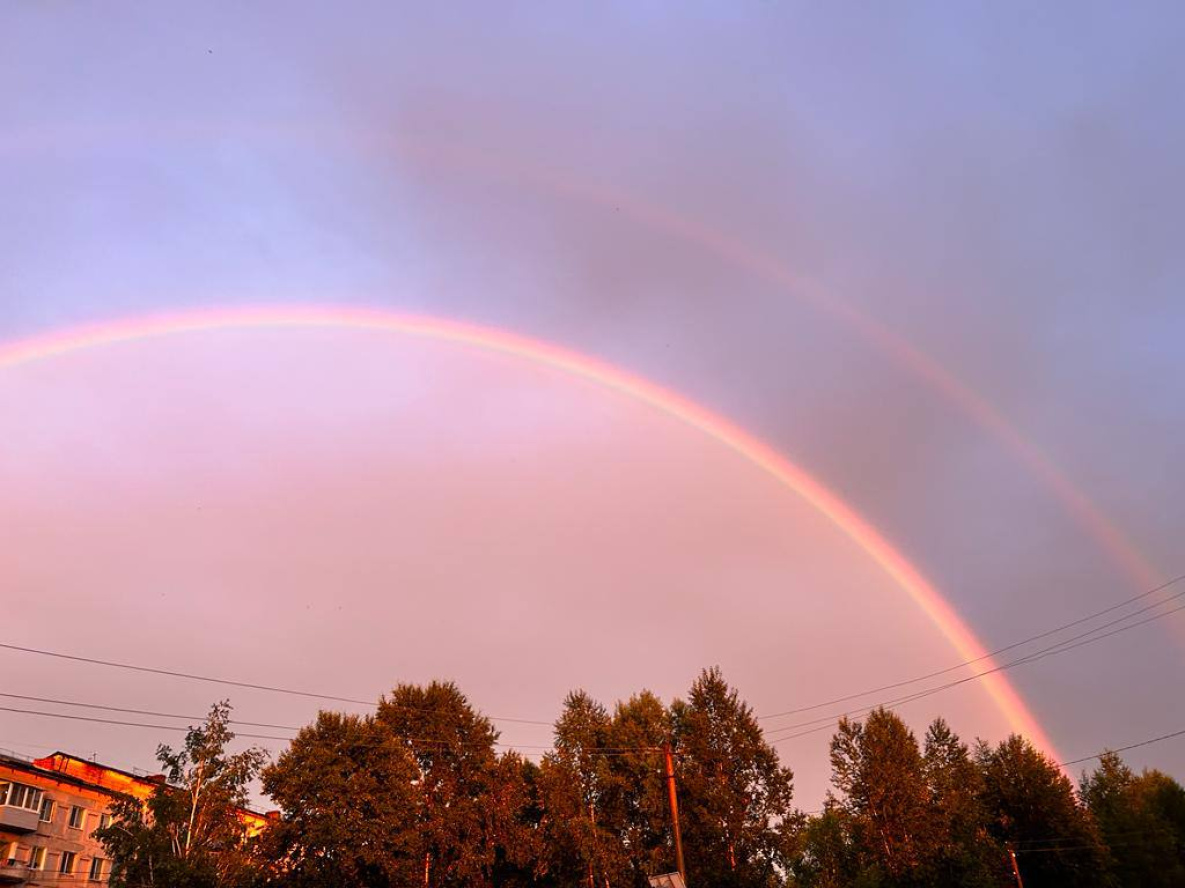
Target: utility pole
(674, 799)
(1015, 868)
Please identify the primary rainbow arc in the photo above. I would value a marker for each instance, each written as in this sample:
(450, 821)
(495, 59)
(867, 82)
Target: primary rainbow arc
(924, 594)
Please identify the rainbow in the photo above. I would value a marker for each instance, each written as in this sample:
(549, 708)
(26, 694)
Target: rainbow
(1119, 548)
(760, 454)
(764, 266)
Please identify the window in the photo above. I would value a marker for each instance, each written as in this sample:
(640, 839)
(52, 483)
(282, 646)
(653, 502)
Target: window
(46, 809)
(17, 795)
(66, 867)
(104, 821)
(97, 869)
(8, 853)
(37, 859)
(77, 816)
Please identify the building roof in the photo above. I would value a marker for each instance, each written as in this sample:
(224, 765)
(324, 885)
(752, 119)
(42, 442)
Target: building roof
(101, 775)
(34, 769)
(85, 774)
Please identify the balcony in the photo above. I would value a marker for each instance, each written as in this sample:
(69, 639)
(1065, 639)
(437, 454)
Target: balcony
(13, 873)
(18, 820)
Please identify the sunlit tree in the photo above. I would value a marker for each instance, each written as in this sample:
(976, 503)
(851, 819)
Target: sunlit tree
(346, 792)
(1142, 820)
(734, 792)
(191, 832)
(963, 851)
(878, 769)
(1031, 807)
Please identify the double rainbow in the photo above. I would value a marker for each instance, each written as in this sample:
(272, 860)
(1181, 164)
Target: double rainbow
(909, 578)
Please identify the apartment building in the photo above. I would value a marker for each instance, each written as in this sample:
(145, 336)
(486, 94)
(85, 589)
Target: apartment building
(49, 811)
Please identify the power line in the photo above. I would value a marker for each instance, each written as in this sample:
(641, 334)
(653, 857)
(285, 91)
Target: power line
(1148, 742)
(1088, 637)
(190, 676)
(997, 651)
(1126, 834)
(423, 741)
(139, 711)
(107, 721)
(824, 723)
(342, 699)
(1076, 641)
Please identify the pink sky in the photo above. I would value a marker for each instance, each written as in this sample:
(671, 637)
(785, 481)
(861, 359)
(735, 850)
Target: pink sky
(342, 510)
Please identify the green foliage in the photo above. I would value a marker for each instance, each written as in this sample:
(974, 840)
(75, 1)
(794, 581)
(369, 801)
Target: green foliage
(734, 793)
(583, 815)
(1032, 808)
(963, 853)
(640, 728)
(825, 853)
(603, 793)
(416, 795)
(1142, 820)
(345, 790)
(879, 770)
(189, 833)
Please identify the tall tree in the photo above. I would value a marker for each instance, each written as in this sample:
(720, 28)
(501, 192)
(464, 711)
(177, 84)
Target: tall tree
(1032, 808)
(640, 728)
(1142, 820)
(825, 854)
(512, 824)
(465, 835)
(734, 793)
(878, 768)
(190, 833)
(964, 853)
(583, 814)
(346, 790)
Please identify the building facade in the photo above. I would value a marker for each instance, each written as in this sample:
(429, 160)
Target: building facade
(49, 811)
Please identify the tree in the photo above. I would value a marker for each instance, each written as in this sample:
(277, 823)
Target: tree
(582, 809)
(1142, 820)
(825, 854)
(190, 833)
(641, 726)
(345, 788)
(413, 795)
(733, 793)
(965, 853)
(879, 770)
(1031, 807)
(512, 817)
(464, 819)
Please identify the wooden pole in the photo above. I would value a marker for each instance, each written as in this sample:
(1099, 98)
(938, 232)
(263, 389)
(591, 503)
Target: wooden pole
(674, 799)
(1015, 868)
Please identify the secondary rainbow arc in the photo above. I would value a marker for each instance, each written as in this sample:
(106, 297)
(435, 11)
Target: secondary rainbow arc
(909, 578)
(763, 265)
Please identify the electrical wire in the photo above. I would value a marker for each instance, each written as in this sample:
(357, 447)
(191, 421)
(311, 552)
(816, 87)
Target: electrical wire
(196, 718)
(990, 654)
(824, 723)
(342, 699)
(1076, 641)
(421, 741)
(190, 676)
(1148, 742)
(107, 721)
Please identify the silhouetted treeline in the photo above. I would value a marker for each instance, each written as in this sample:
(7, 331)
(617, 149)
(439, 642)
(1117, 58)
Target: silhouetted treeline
(419, 794)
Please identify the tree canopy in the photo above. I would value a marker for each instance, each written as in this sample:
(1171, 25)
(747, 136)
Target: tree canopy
(190, 833)
(421, 793)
